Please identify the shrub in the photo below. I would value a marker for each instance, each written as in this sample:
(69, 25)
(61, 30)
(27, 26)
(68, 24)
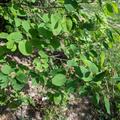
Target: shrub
(59, 44)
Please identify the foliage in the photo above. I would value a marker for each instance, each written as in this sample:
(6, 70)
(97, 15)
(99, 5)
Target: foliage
(64, 43)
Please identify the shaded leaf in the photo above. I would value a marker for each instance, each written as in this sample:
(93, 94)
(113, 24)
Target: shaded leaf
(109, 7)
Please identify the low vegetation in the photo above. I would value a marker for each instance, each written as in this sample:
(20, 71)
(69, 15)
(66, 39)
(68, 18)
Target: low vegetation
(56, 51)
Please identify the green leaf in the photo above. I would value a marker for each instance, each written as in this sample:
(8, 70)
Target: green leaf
(59, 80)
(69, 7)
(61, 1)
(57, 99)
(14, 48)
(100, 76)
(37, 64)
(83, 70)
(33, 1)
(6, 69)
(16, 85)
(110, 35)
(25, 47)
(4, 81)
(3, 35)
(109, 7)
(21, 13)
(97, 96)
(56, 23)
(57, 30)
(15, 36)
(63, 24)
(71, 63)
(10, 44)
(87, 79)
(93, 68)
(43, 55)
(54, 20)
(69, 23)
(26, 25)
(45, 17)
(102, 58)
(115, 7)
(21, 77)
(107, 104)
(17, 22)
(118, 86)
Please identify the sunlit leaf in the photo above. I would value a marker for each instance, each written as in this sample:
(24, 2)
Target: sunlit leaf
(26, 25)
(107, 104)
(59, 80)
(15, 36)
(6, 69)
(57, 98)
(25, 47)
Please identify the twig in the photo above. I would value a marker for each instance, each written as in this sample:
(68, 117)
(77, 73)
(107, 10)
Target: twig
(55, 57)
(49, 7)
